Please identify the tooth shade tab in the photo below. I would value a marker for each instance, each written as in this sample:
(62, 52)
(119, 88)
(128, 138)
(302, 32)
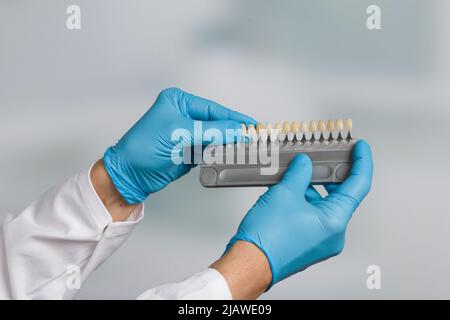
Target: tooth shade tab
(243, 129)
(261, 130)
(340, 125)
(292, 130)
(303, 126)
(272, 133)
(330, 125)
(277, 132)
(295, 127)
(277, 128)
(321, 126)
(260, 127)
(312, 126)
(284, 131)
(286, 127)
(252, 132)
(263, 137)
(349, 127)
(349, 124)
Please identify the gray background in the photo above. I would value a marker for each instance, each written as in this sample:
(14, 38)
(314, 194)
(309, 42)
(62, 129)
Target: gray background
(65, 96)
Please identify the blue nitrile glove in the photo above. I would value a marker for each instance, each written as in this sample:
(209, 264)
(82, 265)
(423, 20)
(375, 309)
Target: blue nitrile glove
(141, 162)
(294, 226)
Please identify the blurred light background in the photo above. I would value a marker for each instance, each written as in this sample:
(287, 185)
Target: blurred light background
(65, 96)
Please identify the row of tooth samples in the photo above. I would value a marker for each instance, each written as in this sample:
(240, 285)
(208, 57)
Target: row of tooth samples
(304, 131)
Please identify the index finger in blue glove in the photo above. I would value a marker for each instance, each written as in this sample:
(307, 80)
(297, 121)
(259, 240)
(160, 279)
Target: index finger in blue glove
(359, 181)
(216, 132)
(198, 108)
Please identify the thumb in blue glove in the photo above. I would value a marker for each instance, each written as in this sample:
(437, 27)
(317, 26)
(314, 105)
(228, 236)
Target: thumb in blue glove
(294, 226)
(141, 162)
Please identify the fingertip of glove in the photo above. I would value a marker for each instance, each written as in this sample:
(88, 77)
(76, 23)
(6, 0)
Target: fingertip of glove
(363, 147)
(301, 160)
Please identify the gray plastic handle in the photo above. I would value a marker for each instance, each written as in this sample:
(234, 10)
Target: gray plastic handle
(331, 163)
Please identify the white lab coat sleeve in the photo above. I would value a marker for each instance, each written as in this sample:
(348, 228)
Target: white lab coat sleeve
(51, 247)
(208, 284)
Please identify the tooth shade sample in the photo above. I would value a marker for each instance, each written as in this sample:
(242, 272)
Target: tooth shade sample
(278, 127)
(272, 132)
(330, 125)
(278, 130)
(286, 127)
(288, 131)
(321, 126)
(295, 127)
(349, 124)
(339, 125)
(261, 131)
(251, 131)
(260, 127)
(312, 126)
(243, 130)
(304, 126)
(263, 137)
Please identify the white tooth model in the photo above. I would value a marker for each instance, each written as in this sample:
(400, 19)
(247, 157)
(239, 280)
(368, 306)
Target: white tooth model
(339, 128)
(348, 128)
(272, 133)
(278, 130)
(312, 130)
(261, 130)
(253, 136)
(295, 127)
(282, 136)
(330, 129)
(300, 132)
(243, 132)
(321, 127)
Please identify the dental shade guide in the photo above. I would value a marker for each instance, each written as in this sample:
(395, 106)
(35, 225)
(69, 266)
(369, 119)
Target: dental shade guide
(328, 144)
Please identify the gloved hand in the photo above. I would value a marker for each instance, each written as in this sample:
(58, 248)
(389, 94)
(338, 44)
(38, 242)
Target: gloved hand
(141, 162)
(294, 226)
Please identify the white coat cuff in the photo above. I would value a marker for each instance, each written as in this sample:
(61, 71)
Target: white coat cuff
(99, 212)
(208, 284)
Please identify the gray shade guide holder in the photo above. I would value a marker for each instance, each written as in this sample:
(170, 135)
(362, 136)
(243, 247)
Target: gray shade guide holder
(263, 164)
